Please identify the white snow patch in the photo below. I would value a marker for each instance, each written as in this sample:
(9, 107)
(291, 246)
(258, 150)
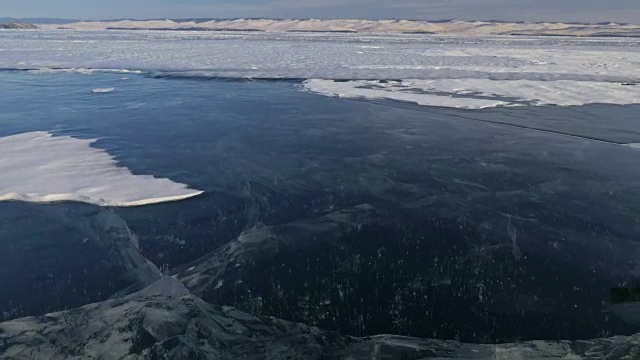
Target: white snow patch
(39, 167)
(633, 145)
(481, 93)
(362, 89)
(103, 90)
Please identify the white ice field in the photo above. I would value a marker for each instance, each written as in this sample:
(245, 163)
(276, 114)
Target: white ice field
(452, 71)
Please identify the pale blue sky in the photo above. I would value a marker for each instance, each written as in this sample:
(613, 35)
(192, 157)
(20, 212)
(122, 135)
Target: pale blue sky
(527, 10)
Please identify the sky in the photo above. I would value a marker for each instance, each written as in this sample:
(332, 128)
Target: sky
(514, 10)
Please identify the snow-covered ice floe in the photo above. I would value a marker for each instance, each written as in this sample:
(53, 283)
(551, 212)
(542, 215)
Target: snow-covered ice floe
(481, 93)
(39, 167)
(103, 90)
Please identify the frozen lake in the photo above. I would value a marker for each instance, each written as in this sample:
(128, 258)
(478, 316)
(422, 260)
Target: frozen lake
(360, 216)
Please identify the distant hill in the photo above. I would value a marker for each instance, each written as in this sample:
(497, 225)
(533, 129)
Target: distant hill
(7, 20)
(449, 27)
(17, 25)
